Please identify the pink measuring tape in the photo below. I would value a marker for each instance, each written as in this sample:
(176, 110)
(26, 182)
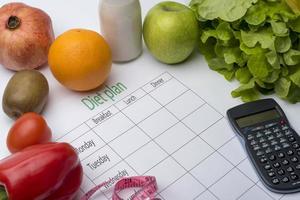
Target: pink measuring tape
(147, 184)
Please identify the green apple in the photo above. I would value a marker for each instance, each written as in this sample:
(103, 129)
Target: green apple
(171, 32)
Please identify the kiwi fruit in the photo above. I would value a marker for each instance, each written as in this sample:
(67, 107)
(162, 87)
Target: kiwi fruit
(26, 91)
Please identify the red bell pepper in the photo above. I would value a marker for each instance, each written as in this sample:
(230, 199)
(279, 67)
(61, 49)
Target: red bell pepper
(47, 171)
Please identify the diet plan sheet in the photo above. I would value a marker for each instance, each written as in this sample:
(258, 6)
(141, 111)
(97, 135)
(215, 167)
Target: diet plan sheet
(164, 129)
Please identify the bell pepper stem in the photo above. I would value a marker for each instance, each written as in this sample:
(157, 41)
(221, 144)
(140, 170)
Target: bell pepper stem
(3, 194)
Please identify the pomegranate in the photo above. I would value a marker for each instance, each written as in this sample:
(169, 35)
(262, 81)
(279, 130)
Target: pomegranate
(26, 34)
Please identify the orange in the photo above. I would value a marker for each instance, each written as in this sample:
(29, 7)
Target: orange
(80, 59)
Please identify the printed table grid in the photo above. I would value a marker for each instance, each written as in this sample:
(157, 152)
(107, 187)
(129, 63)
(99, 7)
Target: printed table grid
(162, 104)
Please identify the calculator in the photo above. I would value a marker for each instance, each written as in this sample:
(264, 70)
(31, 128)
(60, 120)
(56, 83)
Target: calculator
(271, 143)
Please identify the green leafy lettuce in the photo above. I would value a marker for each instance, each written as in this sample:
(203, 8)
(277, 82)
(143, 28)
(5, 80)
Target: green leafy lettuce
(229, 10)
(256, 42)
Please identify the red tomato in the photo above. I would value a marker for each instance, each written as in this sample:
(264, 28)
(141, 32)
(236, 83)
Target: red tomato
(29, 129)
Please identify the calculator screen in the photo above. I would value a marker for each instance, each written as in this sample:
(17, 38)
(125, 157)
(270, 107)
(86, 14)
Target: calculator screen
(258, 118)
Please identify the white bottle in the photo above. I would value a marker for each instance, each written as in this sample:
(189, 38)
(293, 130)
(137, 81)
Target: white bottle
(121, 26)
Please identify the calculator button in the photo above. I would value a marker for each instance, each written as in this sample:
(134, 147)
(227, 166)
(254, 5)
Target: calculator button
(298, 167)
(271, 137)
(292, 139)
(265, 145)
(253, 142)
(281, 155)
(281, 172)
(268, 150)
(259, 134)
(289, 169)
(275, 181)
(279, 135)
(290, 153)
(296, 146)
(282, 140)
(250, 137)
(285, 179)
(261, 140)
(270, 125)
(268, 167)
(272, 158)
(277, 148)
(276, 165)
(263, 160)
(285, 162)
(288, 132)
(294, 159)
(276, 130)
(256, 147)
(274, 142)
(258, 128)
(271, 174)
(294, 177)
(286, 145)
(284, 127)
(260, 153)
(267, 132)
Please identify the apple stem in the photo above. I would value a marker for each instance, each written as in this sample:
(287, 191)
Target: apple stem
(13, 22)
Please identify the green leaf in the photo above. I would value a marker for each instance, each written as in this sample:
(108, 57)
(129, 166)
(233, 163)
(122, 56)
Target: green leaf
(243, 75)
(229, 43)
(251, 51)
(207, 49)
(255, 28)
(283, 44)
(281, 11)
(268, 89)
(218, 64)
(239, 25)
(265, 87)
(250, 95)
(235, 55)
(259, 66)
(229, 10)
(272, 77)
(231, 55)
(282, 87)
(273, 60)
(294, 94)
(296, 78)
(247, 92)
(279, 28)
(228, 75)
(244, 87)
(295, 25)
(285, 71)
(292, 57)
(208, 34)
(256, 14)
(255, 41)
(224, 31)
(264, 37)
